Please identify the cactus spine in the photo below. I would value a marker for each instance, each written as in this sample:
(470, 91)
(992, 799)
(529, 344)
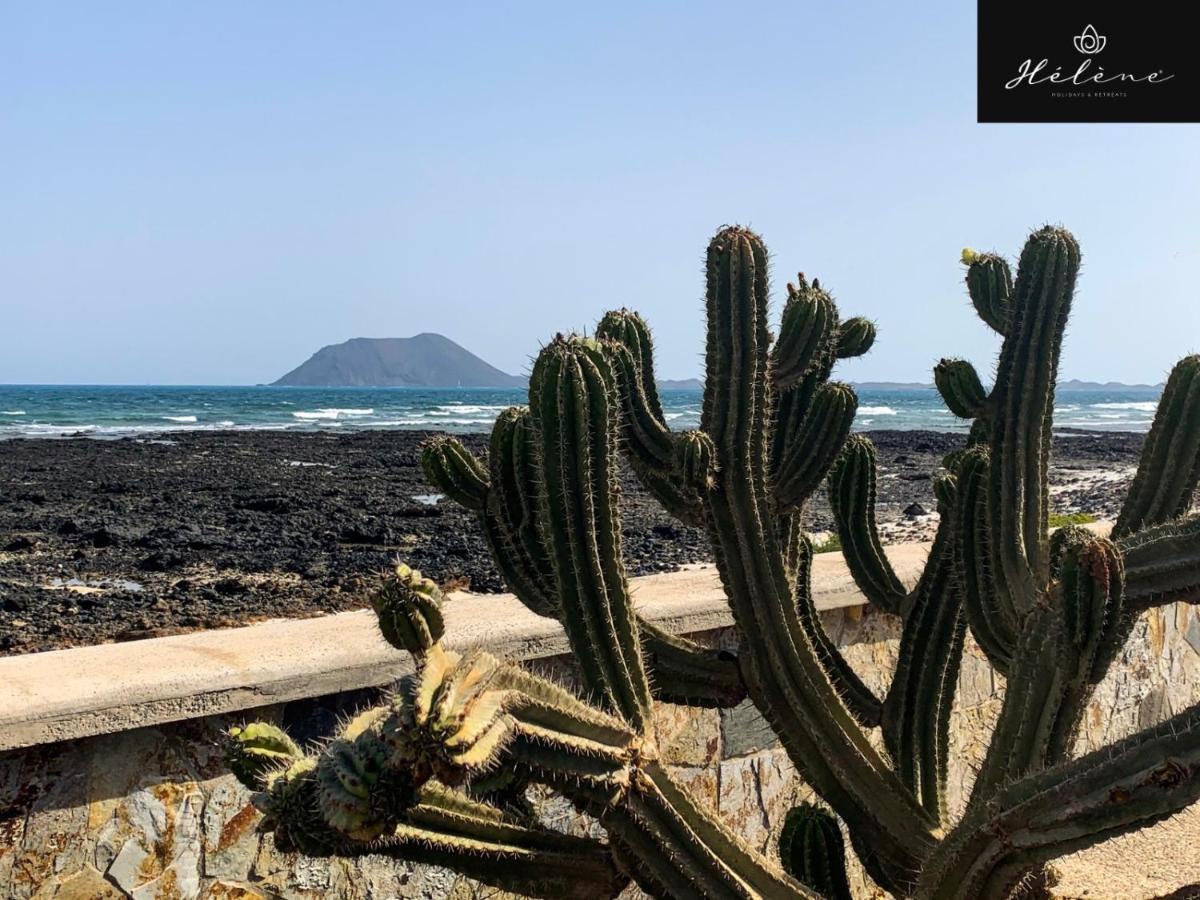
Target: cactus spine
(436, 775)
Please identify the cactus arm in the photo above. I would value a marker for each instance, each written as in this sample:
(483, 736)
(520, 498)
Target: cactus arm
(627, 328)
(992, 623)
(454, 470)
(852, 500)
(1063, 651)
(447, 828)
(806, 334)
(666, 487)
(444, 712)
(806, 461)
(649, 444)
(798, 554)
(862, 703)
(575, 429)
(785, 675)
(503, 497)
(681, 670)
(1170, 462)
(800, 364)
(790, 409)
(1022, 405)
(916, 711)
(855, 337)
(650, 440)
(1112, 791)
(1162, 564)
(684, 672)
(678, 850)
(530, 863)
(960, 387)
(813, 852)
(510, 516)
(989, 283)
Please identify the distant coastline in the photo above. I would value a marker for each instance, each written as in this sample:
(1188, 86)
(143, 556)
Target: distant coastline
(1074, 384)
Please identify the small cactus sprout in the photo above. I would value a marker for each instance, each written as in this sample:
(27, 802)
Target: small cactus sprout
(855, 337)
(696, 452)
(252, 751)
(812, 850)
(409, 608)
(438, 774)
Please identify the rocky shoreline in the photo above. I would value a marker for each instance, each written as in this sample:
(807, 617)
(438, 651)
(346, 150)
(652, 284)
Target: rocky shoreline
(133, 538)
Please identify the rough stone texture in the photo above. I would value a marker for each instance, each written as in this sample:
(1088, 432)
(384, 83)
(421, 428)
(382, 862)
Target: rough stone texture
(149, 813)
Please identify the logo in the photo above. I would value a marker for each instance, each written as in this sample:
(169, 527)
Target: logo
(1090, 41)
(1072, 61)
(1033, 74)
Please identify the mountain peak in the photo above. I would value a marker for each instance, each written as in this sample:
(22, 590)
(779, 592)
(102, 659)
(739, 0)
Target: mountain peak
(423, 360)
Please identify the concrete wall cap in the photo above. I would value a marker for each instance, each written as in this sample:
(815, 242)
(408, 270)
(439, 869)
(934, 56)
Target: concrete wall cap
(67, 694)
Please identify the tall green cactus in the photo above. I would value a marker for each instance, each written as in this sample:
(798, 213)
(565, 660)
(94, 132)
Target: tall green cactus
(436, 774)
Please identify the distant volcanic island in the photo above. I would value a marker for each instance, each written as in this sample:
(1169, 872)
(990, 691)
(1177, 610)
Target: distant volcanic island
(425, 360)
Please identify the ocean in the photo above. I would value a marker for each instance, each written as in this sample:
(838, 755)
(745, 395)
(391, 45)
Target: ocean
(120, 411)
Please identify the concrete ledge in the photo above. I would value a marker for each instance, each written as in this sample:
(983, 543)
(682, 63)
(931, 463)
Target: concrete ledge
(68, 694)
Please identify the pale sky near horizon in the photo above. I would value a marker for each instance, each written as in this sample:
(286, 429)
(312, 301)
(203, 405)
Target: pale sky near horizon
(208, 193)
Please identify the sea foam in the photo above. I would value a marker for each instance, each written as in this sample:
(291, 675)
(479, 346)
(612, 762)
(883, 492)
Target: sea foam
(1142, 405)
(332, 413)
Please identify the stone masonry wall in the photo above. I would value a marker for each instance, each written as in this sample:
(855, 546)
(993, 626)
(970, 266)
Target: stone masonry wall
(151, 813)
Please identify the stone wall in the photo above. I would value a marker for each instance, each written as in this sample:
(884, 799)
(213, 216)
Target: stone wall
(151, 814)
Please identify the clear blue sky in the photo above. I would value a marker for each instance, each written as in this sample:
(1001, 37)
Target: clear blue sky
(208, 192)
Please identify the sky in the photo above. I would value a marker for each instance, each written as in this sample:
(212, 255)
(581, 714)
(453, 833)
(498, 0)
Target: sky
(206, 193)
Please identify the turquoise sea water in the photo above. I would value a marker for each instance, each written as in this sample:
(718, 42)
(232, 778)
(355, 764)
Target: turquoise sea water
(118, 411)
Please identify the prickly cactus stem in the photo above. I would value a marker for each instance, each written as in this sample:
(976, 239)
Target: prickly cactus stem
(408, 607)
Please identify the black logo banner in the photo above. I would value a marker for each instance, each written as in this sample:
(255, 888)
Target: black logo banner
(1087, 62)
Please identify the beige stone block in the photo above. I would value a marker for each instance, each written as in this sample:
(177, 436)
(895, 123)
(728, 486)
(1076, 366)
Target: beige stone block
(687, 736)
(86, 884)
(230, 839)
(228, 890)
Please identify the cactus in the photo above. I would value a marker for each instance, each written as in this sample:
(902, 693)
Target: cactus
(811, 848)
(436, 774)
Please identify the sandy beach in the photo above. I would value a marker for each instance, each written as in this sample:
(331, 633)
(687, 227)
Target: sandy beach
(124, 539)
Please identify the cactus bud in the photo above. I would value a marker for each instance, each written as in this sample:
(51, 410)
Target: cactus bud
(409, 610)
(959, 385)
(1064, 539)
(855, 337)
(812, 851)
(945, 489)
(697, 460)
(254, 750)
